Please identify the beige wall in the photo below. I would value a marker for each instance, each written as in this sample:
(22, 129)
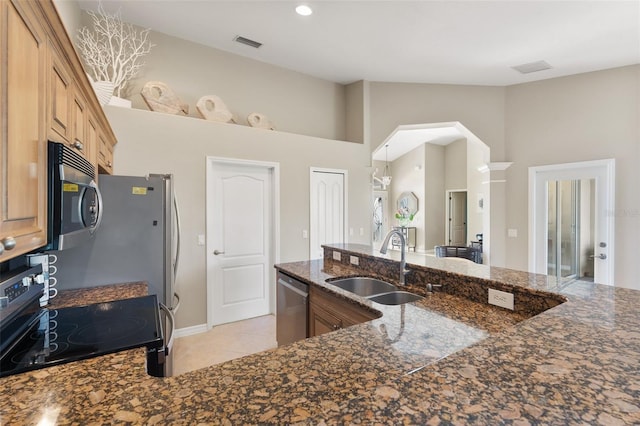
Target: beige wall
(407, 178)
(355, 111)
(434, 206)
(578, 118)
(477, 187)
(71, 16)
(293, 102)
(479, 108)
(152, 142)
(455, 167)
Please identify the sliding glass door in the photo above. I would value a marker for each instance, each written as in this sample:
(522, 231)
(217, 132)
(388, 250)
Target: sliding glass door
(563, 228)
(570, 228)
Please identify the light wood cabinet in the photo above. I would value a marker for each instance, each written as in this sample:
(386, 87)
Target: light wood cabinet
(68, 110)
(59, 99)
(329, 313)
(105, 155)
(23, 148)
(44, 95)
(92, 141)
(79, 124)
(75, 117)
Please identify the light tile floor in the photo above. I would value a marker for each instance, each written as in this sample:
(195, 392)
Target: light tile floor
(223, 343)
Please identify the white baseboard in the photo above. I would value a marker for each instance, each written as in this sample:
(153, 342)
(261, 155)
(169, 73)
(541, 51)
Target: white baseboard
(190, 331)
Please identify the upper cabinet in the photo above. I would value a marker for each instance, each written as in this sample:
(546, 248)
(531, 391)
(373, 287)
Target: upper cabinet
(45, 95)
(60, 86)
(105, 155)
(23, 155)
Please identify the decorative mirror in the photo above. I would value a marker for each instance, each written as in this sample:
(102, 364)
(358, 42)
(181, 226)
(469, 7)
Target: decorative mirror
(408, 203)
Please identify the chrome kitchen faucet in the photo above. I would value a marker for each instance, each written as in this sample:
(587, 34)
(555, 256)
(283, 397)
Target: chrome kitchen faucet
(383, 250)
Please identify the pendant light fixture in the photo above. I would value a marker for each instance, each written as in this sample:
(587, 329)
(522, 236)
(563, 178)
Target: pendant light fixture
(386, 175)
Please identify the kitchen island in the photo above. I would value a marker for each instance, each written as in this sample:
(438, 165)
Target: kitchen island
(442, 360)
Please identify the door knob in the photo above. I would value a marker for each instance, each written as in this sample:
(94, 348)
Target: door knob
(600, 256)
(9, 243)
(217, 252)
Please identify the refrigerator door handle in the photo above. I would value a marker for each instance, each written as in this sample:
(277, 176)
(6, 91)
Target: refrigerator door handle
(174, 307)
(172, 319)
(177, 258)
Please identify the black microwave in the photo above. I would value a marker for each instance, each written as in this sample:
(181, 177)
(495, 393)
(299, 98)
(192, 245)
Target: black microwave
(74, 201)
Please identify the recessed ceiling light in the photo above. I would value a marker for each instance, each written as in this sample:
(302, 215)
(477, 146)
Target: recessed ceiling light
(304, 10)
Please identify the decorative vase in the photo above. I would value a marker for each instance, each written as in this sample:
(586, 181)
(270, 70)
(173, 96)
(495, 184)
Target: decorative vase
(121, 102)
(404, 221)
(103, 89)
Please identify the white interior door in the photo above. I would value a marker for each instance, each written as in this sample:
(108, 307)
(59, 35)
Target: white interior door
(458, 218)
(240, 218)
(327, 209)
(602, 174)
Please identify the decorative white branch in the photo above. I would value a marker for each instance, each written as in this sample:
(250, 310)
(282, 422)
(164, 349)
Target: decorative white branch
(114, 49)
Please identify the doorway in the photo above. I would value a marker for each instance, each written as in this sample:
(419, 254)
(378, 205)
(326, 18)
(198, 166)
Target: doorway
(242, 220)
(380, 221)
(327, 207)
(571, 228)
(570, 225)
(456, 227)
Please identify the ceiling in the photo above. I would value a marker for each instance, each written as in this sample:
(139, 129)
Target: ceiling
(406, 138)
(456, 42)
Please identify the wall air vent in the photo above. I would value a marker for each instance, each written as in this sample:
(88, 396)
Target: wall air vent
(247, 41)
(532, 67)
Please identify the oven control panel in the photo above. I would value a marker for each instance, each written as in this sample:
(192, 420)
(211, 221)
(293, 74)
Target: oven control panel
(15, 290)
(18, 284)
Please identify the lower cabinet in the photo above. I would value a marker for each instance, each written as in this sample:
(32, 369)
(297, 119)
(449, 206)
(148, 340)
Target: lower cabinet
(328, 312)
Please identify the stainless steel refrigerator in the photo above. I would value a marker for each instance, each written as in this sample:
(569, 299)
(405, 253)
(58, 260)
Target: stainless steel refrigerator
(137, 240)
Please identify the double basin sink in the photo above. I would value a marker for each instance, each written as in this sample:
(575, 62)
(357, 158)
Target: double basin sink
(375, 290)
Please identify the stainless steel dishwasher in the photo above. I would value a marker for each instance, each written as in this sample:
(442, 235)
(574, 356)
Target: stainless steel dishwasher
(291, 314)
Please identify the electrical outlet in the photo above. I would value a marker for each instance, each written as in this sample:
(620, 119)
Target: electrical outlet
(305, 234)
(200, 239)
(501, 298)
(337, 256)
(355, 260)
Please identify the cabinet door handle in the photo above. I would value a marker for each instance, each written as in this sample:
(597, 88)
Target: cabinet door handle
(9, 243)
(78, 145)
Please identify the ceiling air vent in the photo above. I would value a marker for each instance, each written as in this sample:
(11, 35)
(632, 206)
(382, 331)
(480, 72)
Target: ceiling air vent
(532, 67)
(247, 41)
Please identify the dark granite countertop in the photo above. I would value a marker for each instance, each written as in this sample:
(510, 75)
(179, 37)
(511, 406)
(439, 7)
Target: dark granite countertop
(442, 360)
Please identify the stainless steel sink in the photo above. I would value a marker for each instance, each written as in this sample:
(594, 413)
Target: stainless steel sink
(363, 286)
(395, 298)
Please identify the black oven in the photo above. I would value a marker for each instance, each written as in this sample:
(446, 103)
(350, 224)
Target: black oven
(74, 201)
